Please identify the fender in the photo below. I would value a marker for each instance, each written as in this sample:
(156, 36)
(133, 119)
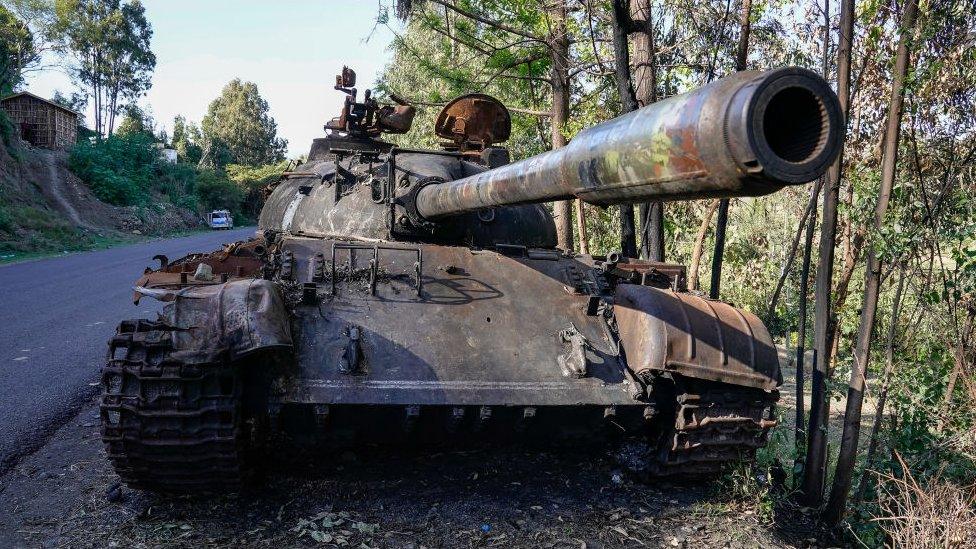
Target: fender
(667, 331)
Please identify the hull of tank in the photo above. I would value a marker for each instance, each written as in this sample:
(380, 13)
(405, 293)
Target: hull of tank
(344, 343)
(477, 350)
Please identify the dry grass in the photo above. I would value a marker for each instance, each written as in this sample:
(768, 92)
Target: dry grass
(939, 514)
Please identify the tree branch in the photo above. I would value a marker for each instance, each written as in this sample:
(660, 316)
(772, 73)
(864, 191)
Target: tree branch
(490, 22)
(527, 112)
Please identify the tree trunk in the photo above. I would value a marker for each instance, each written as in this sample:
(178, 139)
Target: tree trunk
(696, 253)
(844, 472)
(113, 102)
(815, 464)
(742, 51)
(958, 369)
(741, 58)
(583, 240)
(628, 103)
(559, 79)
(799, 435)
(645, 85)
(652, 222)
(885, 384)
(791, 255)
(719, 251)
(97, 95)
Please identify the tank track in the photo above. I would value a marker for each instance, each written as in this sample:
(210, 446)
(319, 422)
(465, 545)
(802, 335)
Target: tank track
(715, 425)
(169, 426)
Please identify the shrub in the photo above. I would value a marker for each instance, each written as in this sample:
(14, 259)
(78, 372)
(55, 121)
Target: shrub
(252, 180)
(215, 192)
(936, 514)
(178, 182)
(119, 169)
(6, 129)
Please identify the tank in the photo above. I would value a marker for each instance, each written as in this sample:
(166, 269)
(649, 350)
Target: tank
(400, 296)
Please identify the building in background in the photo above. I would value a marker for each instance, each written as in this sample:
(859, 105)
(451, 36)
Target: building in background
(40, 122)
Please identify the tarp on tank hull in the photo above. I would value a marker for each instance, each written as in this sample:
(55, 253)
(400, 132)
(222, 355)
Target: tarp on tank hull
(229, 320)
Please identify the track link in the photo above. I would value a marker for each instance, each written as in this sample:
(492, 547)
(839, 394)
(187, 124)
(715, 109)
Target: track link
(715, 425)
(167, 425)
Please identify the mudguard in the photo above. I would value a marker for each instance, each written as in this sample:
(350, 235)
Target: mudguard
(666, 331)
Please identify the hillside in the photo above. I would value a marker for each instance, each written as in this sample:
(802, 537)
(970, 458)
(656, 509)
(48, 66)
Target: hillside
(45, 208)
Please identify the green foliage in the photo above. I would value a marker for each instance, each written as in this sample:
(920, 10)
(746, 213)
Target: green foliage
(119, 169)
(251, 180)
(126, 169)
(186, 141)
(27, 230)
(178, 182)
(237, 123)
(110, 42)
(135, 120)
(215, 192)
(7, 131)
(17, 50)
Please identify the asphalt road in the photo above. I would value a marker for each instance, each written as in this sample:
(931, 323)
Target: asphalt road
(56, 315)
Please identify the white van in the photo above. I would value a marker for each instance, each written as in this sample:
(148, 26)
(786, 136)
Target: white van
(220, 219)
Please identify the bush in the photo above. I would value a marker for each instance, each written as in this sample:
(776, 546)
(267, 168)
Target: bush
(933, 514)
(126, 170)
(215, 192)
(6, 129)
(252, 180)
(119, 169)
(178, 182)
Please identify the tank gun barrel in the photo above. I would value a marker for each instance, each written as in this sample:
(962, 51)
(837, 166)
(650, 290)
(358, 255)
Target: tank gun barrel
(748, 134)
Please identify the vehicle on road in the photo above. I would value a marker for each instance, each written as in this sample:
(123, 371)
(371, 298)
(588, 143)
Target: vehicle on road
(405, 296)
(220, 219)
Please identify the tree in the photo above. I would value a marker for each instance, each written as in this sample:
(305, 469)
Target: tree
(644, 59)
(741, 58)
(622, 24)
(76, 101)
(111, 45)
(517, 42)
(844, 471)
(17, 50)
(136, 120)
(816, 461)
(238, 120)
(131, 61)
(186, 140)
(557, 42)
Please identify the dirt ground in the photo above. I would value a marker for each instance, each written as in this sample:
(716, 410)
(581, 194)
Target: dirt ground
(65, 495)
(44, 207)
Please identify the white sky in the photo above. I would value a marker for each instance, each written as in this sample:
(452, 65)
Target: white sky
(291, 49)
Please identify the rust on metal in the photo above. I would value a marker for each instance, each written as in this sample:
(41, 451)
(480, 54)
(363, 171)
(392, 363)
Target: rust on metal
(404, 295)
(474, 122)
(667, 331)
(718, 141)
(236, 261)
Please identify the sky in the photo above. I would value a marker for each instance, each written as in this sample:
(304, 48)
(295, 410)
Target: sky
(291, 49)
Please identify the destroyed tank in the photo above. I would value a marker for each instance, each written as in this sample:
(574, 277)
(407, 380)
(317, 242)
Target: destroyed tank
(404, 296)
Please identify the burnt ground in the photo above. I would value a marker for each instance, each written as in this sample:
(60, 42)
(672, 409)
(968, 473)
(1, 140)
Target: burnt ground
(66, 495)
